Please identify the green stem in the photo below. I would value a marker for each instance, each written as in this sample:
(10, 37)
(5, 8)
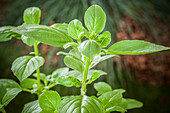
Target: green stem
(3, 110)
(83, 88)
(38, 70)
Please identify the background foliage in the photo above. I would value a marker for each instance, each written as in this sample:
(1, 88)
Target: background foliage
(145, 77)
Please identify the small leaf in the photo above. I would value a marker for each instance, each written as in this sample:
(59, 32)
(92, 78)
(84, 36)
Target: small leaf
(132, 103)
(50, 101)
(76, 29)
(111, 98)
(104, 39)
(32, 107)
(95, 19)
(94, 76)
(10, 94)
(70, 44)
(47, 35)
(24, 66)
(28, 83)
(42, 76)
(27, 40)
(75, 74)
(60, 72)
(5, 33)
(89, 48)
(32, 15)
(74, 63)
(98, 59)
(81, 104)
(69, 81)
(102, 87)
(135, 47)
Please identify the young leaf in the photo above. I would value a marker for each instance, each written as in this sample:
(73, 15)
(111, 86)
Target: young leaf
(95, 19)
(98, 59)
(70, 44)
(102, 87)
(69, 81)
(104, 39)
(81, 104)
(5, 33)
(135, 47)
(76, 29)
(89, 48)
(28, 83)
(50, 101)
(9, 95)
(48, 35)
(74, 63)
(27, 40)
(24, 66)
(32, 107)
(32, 15)
(132, 103)
(91, 72)
(60, 72)
(111, 98)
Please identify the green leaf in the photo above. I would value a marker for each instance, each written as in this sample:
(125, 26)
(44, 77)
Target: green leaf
(75, 74)
(24, 66)
(98, 59)
(132, 103)
(47, 35)
(9, 95)
(102, 87)
(111, 98)
(70, 44)
(89, 48)
(32, 15)
(62, 27)
(115, 108)
(42, 76)
(5, 33)
(135, 47)
(69, 81)
(27, 40)
(28, 83)
(76, 29)
(74, 63)
(2, 92)
(95, 19)
(104, 39)
(8, 83)
(50, 101)
(81, 104)
(32, 107)
(60, 72)
(93, 77)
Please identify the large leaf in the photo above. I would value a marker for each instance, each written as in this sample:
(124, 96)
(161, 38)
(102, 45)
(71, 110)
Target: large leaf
(75, 29)
(24, 66)
(104, 39)
(74, 63)
(111, 98)
(102, 87)
(89, 48)
(32, 15)
(132, 103)
(62, 27)
(8, 83)
(50, 101)
(135, 47)
(48, 35)
(28, 83)
(95, 19)
(10, 94)
(32, 107)
(5, 33)
(27, 40)
(81, 104)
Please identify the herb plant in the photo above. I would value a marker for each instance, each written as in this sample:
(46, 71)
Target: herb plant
(87, 49)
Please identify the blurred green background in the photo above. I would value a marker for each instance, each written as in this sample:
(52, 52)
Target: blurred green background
(145, 77)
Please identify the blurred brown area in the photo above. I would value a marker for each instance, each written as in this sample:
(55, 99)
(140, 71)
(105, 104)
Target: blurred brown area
(152, 69)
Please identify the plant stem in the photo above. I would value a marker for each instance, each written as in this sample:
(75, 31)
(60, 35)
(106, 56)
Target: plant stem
(38, 70)
(83, 88)
(3, 110)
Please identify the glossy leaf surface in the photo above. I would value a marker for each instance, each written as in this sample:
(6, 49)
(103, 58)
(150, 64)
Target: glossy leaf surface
(95, 19)
(32, 107)
(32, 15)
(27, 40)
(104, 39)
(132, 103)
(24, 66)
(135, 47)
(89, 48)
(5, 33)
(47, 35)
(28, 83)
(102, 87)
(81, 104)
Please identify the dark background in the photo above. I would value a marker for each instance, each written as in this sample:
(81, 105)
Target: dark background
(145, 77)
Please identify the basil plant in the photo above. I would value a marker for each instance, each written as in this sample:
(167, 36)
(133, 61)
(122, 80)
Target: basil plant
(87, 48)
